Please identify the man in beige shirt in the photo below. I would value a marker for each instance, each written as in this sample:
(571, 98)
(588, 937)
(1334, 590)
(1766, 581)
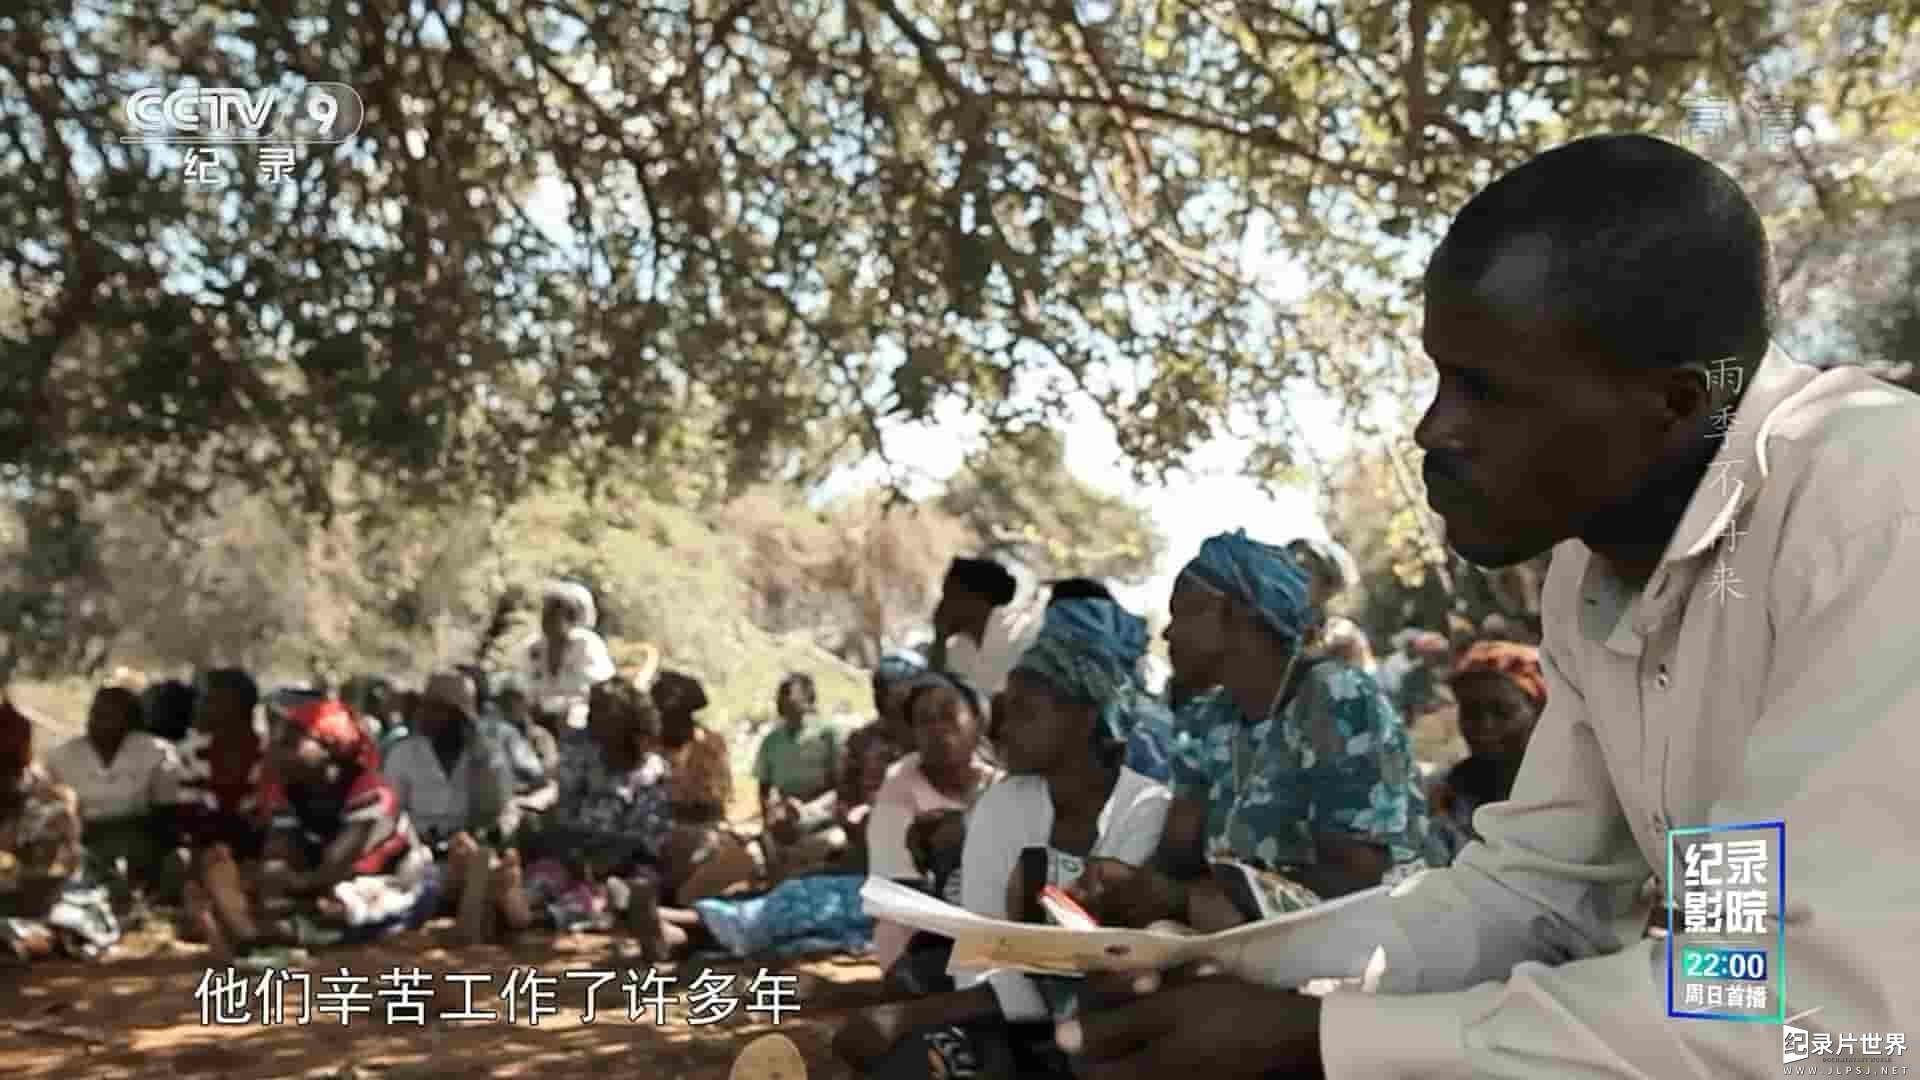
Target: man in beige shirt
(986, 618)
(1727, 639)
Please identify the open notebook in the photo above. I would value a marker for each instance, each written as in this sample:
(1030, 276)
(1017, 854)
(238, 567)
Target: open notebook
(983, 943)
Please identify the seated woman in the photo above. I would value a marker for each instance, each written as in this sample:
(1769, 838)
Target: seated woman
(942, 777)
(1147, 724)
(873, 749)
(456, 786)
(514, 709)
(1293, 769)
(530, 748)
(823, 913)
(704, 857)
(798, 766)
(1500, 690)
(1069, 798)
(47, 904)
(598, 859)
(127, 783)
(566, 659)
(343, 862)
(221, 765)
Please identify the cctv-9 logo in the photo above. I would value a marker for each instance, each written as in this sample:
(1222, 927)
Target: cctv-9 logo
(327, 113)
(318, 113)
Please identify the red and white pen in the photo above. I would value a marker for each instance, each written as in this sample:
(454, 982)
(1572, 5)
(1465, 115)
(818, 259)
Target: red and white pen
(1062, 911)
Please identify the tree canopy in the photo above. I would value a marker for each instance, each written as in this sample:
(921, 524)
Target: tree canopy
(783, 224)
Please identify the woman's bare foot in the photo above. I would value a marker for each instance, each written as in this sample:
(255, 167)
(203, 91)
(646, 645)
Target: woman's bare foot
(196, 908)
(219, 945)
(643, 920)
(453, 874)
(510, 892)
(474, 923)
(30, 944)
(672, 936)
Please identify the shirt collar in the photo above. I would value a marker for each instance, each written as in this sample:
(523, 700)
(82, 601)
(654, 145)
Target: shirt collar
(1733, 480)
(1740, 467)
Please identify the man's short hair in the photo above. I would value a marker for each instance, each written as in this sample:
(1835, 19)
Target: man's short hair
(984, 577)
(1654, 254)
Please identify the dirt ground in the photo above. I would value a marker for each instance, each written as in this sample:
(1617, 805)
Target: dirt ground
(136, 1014)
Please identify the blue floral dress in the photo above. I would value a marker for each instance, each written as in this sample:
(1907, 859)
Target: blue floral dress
(799, 917)
(1335, 759)
(1149, 739)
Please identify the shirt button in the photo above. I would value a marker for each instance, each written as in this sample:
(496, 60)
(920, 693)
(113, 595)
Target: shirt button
(1661, 680)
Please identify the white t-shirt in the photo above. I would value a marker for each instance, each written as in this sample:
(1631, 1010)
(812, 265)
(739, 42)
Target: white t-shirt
(903, 797)
(444, 802)
(585, 665)
(145, 774)
(1016, 814)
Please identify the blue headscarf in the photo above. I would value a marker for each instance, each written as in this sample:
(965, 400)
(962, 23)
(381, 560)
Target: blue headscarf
(1090, 650)
(1264, 577)
(898, 667)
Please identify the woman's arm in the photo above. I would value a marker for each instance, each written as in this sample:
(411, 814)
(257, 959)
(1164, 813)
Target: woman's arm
(336, 863)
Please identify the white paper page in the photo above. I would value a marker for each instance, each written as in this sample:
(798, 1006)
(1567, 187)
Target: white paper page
(982, 943)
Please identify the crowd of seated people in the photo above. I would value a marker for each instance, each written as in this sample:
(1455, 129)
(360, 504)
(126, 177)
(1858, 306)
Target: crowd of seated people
(571, 793)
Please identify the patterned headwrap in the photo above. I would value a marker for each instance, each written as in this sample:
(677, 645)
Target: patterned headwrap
(1262, 576)
(331, 724)
(1090, 650)
(896, 667)
(1519, 663)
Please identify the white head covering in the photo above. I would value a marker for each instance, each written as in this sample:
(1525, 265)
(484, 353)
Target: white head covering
(578, 595)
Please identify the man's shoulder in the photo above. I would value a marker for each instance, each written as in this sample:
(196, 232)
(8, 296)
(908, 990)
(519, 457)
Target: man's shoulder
(1843, 447)
(152, 747)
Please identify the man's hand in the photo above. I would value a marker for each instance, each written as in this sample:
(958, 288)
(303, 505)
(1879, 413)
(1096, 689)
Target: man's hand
(1183, 1021)
(1120, 894)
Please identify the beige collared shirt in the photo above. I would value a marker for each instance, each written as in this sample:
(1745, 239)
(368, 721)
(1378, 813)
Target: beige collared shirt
(1785, 687)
